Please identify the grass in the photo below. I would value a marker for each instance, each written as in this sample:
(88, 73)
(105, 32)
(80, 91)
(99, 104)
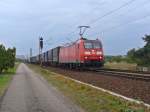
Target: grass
(90, 99)
(121, 65)
(6, 77)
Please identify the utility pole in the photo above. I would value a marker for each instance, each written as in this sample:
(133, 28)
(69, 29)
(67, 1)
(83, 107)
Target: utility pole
(27, 58)
(82, 30)
(30, 54)
(40, 49)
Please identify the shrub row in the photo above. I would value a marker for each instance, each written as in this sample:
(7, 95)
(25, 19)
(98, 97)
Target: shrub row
(7, 58)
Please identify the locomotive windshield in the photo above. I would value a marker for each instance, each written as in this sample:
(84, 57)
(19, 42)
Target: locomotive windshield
(92, 45)
(88, 45)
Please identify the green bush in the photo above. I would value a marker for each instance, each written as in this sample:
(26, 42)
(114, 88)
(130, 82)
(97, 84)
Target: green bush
(139, 56)
(142, 55)
(7, 58)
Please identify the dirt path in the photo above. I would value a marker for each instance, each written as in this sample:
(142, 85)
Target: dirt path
(28, 92)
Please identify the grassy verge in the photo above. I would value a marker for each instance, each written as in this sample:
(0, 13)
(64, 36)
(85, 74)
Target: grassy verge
(88, 98)
(121, 66)
(6, 77)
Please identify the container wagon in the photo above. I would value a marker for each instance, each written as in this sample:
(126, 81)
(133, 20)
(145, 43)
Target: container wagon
(55, 56)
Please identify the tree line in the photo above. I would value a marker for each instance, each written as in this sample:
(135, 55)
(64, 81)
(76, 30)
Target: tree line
(7, 58)
(139, 56)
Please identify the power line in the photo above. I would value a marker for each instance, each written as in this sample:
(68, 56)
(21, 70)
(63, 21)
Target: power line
(70, 34)
(113, 27)
(137, 6)
(111, 12)
(124, 24)
(102, 3)
(133, 9)
(108, 13)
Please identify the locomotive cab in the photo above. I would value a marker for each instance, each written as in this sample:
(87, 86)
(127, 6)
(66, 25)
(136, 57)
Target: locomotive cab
(92, 53)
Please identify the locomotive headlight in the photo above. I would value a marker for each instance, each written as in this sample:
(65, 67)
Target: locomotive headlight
(86, 57)
(87, 53)
(99, 53)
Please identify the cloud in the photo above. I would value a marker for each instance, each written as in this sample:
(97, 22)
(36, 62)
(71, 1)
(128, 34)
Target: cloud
(23, 21)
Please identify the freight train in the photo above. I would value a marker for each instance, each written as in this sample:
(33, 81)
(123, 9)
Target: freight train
(82, 53)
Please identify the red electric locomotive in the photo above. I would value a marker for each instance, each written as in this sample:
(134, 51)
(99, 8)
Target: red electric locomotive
(82, 53)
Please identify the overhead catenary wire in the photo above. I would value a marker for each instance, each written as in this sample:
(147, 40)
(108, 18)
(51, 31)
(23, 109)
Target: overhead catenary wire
(70, 33)
(101, 17)
(123, 24)
(126, 23)
(136, 7)
(111, 12)
(107, 14)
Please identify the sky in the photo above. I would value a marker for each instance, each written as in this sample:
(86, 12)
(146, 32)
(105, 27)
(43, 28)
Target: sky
(22, 22)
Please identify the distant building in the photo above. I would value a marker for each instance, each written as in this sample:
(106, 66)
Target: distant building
(21, 58)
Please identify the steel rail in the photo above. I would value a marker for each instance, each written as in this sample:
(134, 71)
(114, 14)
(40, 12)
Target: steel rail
(130, 75)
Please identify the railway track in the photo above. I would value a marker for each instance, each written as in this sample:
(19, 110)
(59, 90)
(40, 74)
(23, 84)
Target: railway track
(131, 75)
(129, 84)
(137, 75)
